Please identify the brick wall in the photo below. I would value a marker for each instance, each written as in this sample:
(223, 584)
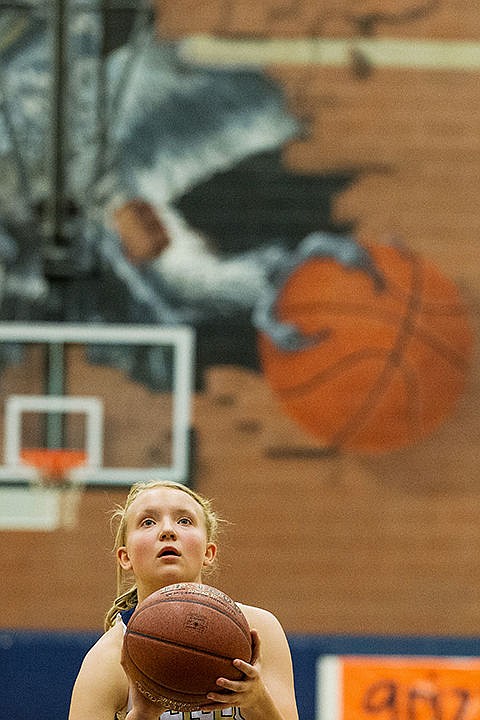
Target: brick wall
(343, 543)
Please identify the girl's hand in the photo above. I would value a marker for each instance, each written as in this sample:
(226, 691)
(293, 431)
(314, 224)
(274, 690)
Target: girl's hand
(244, 693)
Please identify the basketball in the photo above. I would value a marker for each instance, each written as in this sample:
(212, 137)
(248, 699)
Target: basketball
(391, 360)
(180, 640)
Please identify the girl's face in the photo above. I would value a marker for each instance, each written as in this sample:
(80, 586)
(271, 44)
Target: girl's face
(166, 540)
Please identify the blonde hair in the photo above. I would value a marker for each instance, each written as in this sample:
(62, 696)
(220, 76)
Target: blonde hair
(128, 598)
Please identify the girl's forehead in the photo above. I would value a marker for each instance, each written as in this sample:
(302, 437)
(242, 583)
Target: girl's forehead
(164, 498)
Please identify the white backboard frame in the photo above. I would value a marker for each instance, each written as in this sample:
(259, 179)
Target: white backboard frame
(180, 337)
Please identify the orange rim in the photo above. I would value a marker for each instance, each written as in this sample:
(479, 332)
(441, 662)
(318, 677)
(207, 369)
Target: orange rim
(53, 462)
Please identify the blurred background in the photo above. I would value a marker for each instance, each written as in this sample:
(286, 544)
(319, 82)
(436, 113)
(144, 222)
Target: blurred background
(166, 168)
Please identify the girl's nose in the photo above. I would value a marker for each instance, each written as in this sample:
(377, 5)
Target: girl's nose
(167, 532)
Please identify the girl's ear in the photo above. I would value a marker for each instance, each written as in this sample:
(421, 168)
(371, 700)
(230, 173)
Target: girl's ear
(123, 559)
(210, 552)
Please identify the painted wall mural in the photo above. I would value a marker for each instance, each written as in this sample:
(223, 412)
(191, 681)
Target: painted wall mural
(385, 347)
(139, 187)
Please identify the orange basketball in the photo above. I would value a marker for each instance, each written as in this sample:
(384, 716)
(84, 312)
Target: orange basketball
(390, 362)
(180, 640)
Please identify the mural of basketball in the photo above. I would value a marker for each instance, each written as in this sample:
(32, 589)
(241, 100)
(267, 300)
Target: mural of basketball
(389, 352)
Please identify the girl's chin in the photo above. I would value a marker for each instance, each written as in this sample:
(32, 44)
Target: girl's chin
(169, 578)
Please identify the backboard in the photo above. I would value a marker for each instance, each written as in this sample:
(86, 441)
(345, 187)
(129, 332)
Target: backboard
(118, 394)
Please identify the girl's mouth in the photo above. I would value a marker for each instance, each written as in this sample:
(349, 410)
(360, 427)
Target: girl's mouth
(169, 552)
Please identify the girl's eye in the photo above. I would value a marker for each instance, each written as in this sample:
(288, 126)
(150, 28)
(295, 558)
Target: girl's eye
(185, 521)
(148, 522)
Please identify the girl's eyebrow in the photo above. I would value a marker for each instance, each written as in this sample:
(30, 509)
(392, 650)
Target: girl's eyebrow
(157, 511)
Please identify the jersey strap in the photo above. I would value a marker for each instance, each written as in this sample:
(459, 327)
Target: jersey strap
(127, 614)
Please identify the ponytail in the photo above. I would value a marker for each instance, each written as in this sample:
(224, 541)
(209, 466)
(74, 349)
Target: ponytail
(126, 601)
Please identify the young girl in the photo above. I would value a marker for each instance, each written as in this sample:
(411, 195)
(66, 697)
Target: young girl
(166, 535)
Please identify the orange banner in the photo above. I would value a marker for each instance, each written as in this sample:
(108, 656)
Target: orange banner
(398, 688)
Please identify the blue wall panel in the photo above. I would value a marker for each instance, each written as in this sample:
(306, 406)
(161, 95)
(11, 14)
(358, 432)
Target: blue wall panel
(38, 669)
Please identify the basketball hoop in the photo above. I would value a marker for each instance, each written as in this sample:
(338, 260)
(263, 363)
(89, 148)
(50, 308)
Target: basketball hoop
(53, 464)
(53, 467)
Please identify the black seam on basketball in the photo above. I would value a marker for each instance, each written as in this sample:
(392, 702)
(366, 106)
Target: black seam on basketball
(410, 325)
(371, 400)
(392, 362)
(413, 409)
(175, 643)
(392, 353)
(347, 429)
(197, 601)
(441, 348)
(443, 310)
(456, 360)
(194, 696)
(336, 369)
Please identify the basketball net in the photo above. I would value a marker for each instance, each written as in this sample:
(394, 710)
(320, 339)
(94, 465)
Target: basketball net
(53, 467)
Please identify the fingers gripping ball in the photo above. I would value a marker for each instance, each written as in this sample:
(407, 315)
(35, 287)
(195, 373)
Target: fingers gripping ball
(391, 357)
(180, 640)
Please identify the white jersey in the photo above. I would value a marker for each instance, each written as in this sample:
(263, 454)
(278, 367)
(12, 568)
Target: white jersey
(232, 713)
